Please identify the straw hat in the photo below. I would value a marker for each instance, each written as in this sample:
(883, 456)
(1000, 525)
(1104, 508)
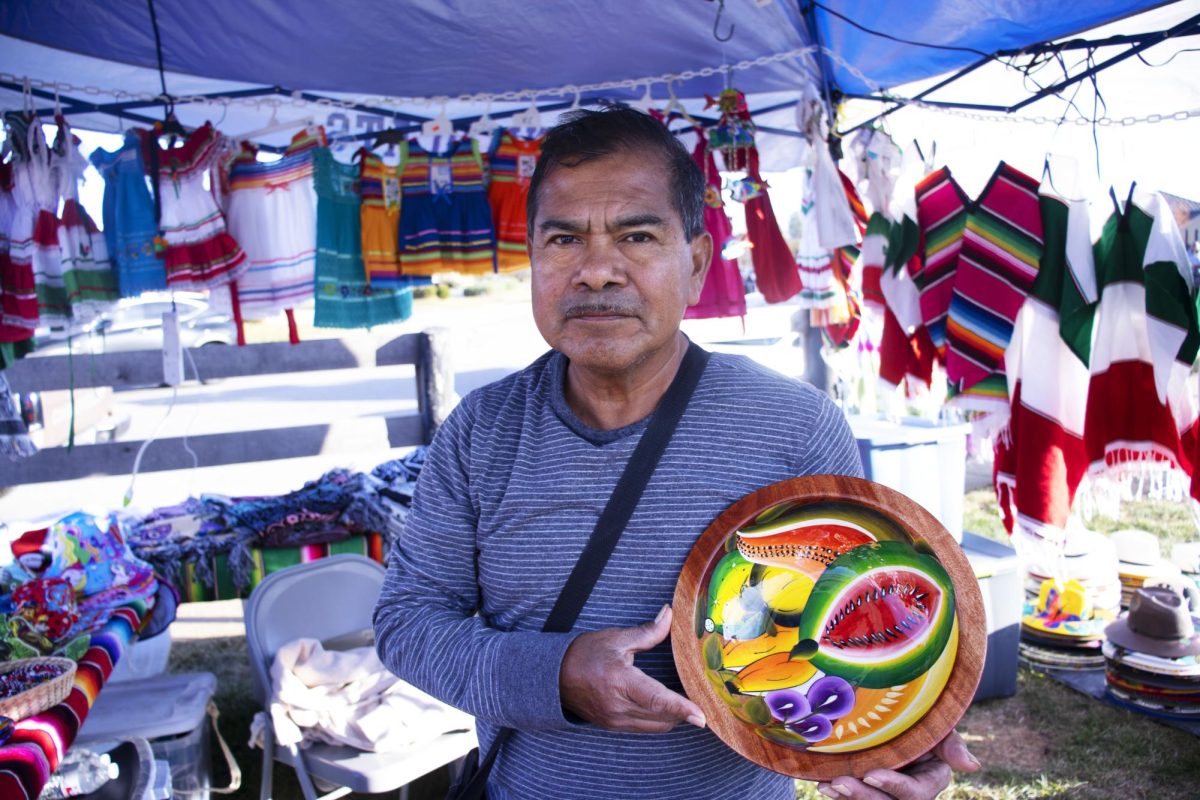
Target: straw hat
(1158, 624)
(1137, 547)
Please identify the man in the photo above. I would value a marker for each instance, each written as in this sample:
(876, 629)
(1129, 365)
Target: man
(517, 476)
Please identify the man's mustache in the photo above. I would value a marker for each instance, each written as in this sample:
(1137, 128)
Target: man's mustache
(602, 308)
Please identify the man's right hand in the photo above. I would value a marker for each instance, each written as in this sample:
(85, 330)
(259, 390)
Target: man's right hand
(599, 682)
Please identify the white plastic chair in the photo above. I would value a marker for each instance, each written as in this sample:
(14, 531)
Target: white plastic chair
(331, 598)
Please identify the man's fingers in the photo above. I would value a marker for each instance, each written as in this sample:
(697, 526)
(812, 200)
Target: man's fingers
(650, 700)
(953, 750)
(851, 788)
(648, 634)
(919, 782)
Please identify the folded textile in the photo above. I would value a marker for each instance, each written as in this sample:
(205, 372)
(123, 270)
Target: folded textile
(349, 698)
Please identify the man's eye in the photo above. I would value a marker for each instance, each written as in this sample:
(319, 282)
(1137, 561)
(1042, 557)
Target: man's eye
(563, 238)
(639, 238)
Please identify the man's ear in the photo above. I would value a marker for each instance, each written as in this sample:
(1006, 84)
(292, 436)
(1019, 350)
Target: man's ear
(702, 250)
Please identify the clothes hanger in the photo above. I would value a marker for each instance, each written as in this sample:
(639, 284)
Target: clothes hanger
(484, 126)
(674, 106)
(530, 119)
(439, 125)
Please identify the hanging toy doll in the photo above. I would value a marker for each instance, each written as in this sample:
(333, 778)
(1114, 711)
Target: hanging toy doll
(733, 135)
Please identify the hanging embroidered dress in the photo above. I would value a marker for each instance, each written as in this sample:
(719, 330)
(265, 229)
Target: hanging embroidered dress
(1041, 461)
(199, 252)
(379, 187)
(18, 295)
(35, 230)
(1001, 248)
(1141, 404)
(724, 294)
(942, 217)
(272, 213)
(512, 162)
(128, 216)
(344, 299)
(446, 225)
(89, 284)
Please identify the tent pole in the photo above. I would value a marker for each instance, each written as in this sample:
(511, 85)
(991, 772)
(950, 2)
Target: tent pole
(1188, 27)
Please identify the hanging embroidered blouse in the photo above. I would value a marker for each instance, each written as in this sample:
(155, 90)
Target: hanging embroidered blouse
(128, 215)
(199, 252)
(512, 160)
(446, 225)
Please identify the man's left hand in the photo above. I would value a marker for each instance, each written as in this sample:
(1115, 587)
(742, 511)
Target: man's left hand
(922, 780)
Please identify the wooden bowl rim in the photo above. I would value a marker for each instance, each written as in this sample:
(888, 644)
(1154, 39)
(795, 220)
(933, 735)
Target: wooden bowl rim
(908, 745)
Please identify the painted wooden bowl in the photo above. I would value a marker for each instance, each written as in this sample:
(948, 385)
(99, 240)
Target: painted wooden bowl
(829, 626)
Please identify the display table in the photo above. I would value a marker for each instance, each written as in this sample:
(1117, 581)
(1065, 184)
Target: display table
(39, 743)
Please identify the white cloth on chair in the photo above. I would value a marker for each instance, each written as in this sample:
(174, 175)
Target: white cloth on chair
(349, 698)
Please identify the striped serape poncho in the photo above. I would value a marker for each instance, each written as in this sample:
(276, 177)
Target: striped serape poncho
(1001, 248)
(1041, 461)
(942, 216)
(1142, 407)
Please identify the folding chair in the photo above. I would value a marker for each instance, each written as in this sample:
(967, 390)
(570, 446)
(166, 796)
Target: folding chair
(331, 599)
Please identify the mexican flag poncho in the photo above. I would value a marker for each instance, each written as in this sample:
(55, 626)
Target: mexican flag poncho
(1001, 249)
(1040, 462)
(1141, 406)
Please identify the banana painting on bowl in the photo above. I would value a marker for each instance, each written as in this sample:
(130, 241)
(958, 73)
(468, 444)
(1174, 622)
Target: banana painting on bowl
(828, 626)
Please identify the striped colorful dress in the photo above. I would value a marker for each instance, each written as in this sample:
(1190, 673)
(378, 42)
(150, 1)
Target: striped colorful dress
(272, 213)
(512, 161)
(199, 253)
(942, 216)
(446, 224)
(379, 188)
(344, 299)
(1001, 248)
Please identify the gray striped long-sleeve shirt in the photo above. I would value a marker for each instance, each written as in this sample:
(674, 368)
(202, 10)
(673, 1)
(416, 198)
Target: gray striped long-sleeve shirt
(509, 494)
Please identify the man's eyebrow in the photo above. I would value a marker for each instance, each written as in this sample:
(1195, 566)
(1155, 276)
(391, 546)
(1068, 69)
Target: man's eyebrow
(561, 225)
(638, 221)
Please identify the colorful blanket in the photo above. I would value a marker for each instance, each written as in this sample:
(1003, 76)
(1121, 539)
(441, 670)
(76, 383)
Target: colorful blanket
(39, 742)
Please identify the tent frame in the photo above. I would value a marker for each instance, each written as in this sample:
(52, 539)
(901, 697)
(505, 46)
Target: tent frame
(1136, 44)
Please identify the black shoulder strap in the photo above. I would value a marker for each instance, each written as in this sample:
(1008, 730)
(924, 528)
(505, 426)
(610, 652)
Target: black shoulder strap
(609, 527)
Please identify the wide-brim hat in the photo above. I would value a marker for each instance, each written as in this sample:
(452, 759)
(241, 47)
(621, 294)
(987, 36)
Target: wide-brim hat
(1158, 623)
(1135, 547)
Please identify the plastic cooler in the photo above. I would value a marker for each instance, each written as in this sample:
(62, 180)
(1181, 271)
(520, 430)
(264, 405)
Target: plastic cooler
(918, 458)
(169, 710)
(999, 576)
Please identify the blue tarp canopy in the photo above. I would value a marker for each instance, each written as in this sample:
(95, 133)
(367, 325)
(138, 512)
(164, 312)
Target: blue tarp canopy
(405, 51)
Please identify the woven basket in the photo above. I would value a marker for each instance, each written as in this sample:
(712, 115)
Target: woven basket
(46, 694)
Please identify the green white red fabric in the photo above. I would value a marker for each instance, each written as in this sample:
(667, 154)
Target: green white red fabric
(1041, 460)
(1142, 407)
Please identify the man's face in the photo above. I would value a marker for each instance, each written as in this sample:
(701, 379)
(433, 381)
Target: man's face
(612, 269)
